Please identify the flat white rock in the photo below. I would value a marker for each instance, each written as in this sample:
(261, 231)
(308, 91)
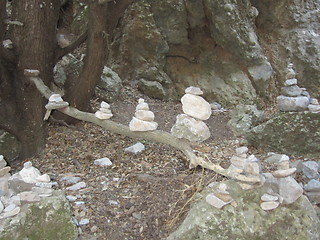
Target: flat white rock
(267, 206)
(77, 186)
(196, 106)
(103, 162)
(44, 178)
(29, 174)
(12, 213)
(71, 179)
(144, 115)
(215, 201)
(137, 125)
(29, 196)
(84, 221)
(241, 150)
(3, 162)
(289, 189)
(4, 171)
(104, 104)
(283, 172)
(136, 148)
(101, 115)
(268, 198)
(1, 206)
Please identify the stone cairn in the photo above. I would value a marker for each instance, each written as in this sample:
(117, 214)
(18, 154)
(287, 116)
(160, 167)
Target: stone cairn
(104, 111)
(293, 98)
(190, 125)
(143, 118)
(24, 187)
(281, 187)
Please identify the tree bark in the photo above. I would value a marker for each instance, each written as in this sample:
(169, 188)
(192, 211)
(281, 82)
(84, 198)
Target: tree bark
(79, 93)
(34, 44)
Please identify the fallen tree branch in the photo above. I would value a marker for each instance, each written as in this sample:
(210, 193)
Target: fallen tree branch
(155, 136)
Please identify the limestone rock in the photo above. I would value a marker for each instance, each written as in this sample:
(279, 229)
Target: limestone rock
(312, 186)
(29, 174)
(52, 214)
(295, 133)
(103, 162)
(4, 171)
(268, 198)
(71, 179)
(109, 84)
(141, 126)
(289, 189)
(193, 90)
(290, 81)
(3, 162)
(287, 104)
(248, 220)
(291, 91)
(77, 186)
(283, 173)
(196, 106)
(269, 205)
(152, 88)
(190, 128)
(101, 115)
(136, 148)
(215, 201)
(144, 115)
(310, 169)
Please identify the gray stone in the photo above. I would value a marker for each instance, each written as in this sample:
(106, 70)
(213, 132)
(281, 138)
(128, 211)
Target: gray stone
(4, 190)
(84, 221)
(29, 197)
(1, 206)
(314, 197)
(215, 201)
(244, 117)
(296, 133)
(3, 162)
(77, 186)
(291, 91)
(9, 145)
(144, 115)
(193, 90)
(109, 82)
(289, 189)
(71, 179)
(190, 128)
(267, 206)
(291, 81)
(312, 186)
(196, 106)
(288, 104)
(136, 148)
(310, 169)
(16, 183)
(248, 220)
(103, 162)
(152, 88)
(314, 108)
(52, 214)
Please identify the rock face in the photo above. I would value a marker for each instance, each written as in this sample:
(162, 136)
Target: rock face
(48, 219)
(247, 220)
(292, 132)
(165, 46)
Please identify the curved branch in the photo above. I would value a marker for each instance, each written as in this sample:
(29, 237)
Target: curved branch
(64, 51)
(155, 136)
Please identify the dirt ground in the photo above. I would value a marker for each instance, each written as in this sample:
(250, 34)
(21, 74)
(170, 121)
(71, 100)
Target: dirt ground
(142, 196)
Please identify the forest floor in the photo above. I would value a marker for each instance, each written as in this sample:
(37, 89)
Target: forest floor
(142, 196)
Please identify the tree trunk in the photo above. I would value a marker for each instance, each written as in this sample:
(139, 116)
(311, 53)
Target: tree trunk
(34, 44)
(79, 93)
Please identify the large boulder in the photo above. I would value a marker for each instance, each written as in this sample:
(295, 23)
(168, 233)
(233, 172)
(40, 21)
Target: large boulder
(246, 219)
(288, 132)
(48, 219)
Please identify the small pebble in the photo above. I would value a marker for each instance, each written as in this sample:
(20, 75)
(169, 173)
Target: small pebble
(84, 221)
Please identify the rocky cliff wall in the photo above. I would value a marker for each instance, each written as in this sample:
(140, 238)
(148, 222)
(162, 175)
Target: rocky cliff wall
(236, 51)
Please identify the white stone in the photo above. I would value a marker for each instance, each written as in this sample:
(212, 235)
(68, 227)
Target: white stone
(29, 197)
(252, 168)
(287, 104)
(314, 108)
(55, 98)
(103, 162)
(9, 45)
(103, 104)
(71, 198)
(314, 101)
(284, 165)
(105, 110)
(193, 90)
(3, 162)
(101, 115)
(4, 171)
(1, 206)
(10, 207)
(189, 128)
(196, 106)
(77, 186)
(215, 201)
(234, 169)
(241, 150)
(79, 203)
(267, 206)
(142, 106)
(289, 189)
(44, 184)
(238, 162)
(41, 191)
(44, 178)
(291, 82)
(140, 100)
(10, 214)
(144, 115)
(268, 198)
(252, 158)
(56, 105)
(29, 174)
(84, 221)
(136, 148)
(142, 126)
(283, 172)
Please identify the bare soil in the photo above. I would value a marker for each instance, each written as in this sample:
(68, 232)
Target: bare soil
(142, 196)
